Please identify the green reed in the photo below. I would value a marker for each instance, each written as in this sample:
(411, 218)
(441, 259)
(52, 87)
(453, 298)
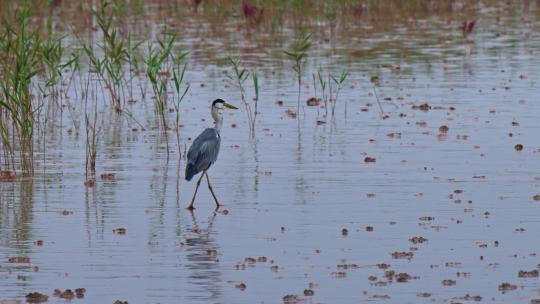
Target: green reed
(297, 53)
(110, 68)
(324, 93)
(255, 78)
(56, 62)
(327, 84)
(339, 81)
(20, 63)
(92, 138)
(135, 67)
(239, 77)
(158, 60)
(73, 64)
(181, 88)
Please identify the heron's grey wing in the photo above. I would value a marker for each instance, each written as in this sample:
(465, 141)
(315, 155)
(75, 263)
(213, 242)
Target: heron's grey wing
(204, 150)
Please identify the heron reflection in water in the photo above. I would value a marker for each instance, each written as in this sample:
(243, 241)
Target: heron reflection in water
(205, 149)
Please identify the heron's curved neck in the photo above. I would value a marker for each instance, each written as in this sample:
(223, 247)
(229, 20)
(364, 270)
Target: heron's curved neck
(218, 119)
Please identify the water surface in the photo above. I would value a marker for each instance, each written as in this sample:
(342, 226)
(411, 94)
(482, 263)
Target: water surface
(289, 194)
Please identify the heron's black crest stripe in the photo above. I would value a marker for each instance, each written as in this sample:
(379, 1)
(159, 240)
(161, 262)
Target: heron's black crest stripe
(219, 100)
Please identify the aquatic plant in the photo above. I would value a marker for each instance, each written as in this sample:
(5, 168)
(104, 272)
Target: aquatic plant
(160, 61)
(135, 69)
(297, 53)
(328, 96)
(255, 78)
(158, 74)
(20, 63)
(52, 53)
(240, 75)
(383, 115)
(179, 70)
(115, 54)
(339, 81)
(91, 143)
(73, 64)
(322, 83)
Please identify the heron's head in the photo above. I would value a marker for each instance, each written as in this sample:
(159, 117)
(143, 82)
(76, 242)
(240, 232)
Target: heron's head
(220, 104)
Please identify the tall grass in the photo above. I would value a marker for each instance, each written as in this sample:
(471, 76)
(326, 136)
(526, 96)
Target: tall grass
(181, 89)
(135, 66)
(52, 53)
(329, 94)
(20, 63)
(110, 67)
(158, 75)
(160, 60)
(32, 72)
(238, 78)
(339, 81)
(324, 93)
(297, 53)
(255, 78)
(92, 138)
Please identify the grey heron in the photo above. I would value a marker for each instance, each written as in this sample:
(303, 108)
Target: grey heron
(205, 148)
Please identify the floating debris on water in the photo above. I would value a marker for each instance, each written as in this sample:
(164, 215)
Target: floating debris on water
(309, 292)
(528, 274)
(370, 159)
(89, 183)
(107, 176)
(290, 113)
(7, 176)
(313, 102)
(418, 240)
(119, 230)
(293, 299)
(443, 129)
(19, 260)
(402, 255)
(79, 292)
(504, 287)
(242, 286)
(423, 107)
(448, 282)
(36, 297)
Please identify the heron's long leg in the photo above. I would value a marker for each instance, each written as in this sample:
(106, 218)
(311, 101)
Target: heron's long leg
(212, 190)
(190, 207)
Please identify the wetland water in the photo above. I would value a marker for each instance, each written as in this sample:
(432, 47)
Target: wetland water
(290, 193)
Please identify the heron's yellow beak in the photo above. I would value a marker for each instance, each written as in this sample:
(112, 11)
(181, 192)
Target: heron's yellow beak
(229, 106)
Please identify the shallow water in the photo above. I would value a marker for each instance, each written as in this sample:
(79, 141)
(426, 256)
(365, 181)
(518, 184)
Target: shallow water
(290, 193)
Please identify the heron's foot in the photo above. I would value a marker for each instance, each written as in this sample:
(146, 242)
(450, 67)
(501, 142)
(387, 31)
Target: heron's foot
(190, 207)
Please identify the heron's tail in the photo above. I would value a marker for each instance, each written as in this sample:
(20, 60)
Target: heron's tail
(190, 171)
